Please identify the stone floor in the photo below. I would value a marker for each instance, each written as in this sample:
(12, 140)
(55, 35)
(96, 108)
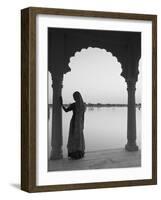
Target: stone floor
(113, 158)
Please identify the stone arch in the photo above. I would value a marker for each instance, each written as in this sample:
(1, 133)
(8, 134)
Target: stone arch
(62, 45)
(119, 53)
(107, 51)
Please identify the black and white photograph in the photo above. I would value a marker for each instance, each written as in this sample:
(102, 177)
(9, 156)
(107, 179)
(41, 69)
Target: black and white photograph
(94, 99)
(89, 98)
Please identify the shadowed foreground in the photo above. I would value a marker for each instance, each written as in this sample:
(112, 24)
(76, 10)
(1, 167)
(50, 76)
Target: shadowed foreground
(103, 159)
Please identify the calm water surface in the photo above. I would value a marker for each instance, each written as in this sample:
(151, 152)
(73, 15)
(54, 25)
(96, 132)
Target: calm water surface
(104, 128)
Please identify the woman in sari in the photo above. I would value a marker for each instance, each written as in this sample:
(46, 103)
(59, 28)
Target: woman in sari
(76, 143)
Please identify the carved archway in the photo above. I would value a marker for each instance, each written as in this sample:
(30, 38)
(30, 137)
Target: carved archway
(62, 45)
(98, 49)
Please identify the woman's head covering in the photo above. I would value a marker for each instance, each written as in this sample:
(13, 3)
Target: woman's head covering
(79, 101)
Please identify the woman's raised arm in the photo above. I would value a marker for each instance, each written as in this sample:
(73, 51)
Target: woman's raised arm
(69, 108)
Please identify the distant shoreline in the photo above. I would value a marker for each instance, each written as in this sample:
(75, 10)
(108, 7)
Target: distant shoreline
(100, 105)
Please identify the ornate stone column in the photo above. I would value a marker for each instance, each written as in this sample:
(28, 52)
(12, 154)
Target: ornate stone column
(56, 139)
(131, 117)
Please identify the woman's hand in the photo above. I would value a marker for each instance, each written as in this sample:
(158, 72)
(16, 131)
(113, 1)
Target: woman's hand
(61, 100)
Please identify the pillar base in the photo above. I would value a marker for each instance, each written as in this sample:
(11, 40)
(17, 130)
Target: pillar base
(131, 147)
(56, 155)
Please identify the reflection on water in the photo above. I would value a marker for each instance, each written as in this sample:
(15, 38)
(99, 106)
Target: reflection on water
(104, 128)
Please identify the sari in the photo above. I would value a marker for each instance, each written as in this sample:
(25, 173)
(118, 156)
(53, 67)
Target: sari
(76, 142)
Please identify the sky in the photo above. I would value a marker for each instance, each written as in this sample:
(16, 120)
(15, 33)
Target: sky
(95, 73)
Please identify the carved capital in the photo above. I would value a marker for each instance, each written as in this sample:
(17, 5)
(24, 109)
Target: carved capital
(57, 80)
(131, 83)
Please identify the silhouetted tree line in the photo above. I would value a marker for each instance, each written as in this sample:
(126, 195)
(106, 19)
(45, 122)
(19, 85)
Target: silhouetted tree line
(104, 105)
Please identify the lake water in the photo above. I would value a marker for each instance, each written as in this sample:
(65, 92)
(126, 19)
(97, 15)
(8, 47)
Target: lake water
(104, 128)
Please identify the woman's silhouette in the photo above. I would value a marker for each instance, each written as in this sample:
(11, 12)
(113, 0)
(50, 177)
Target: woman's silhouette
(76, 143)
